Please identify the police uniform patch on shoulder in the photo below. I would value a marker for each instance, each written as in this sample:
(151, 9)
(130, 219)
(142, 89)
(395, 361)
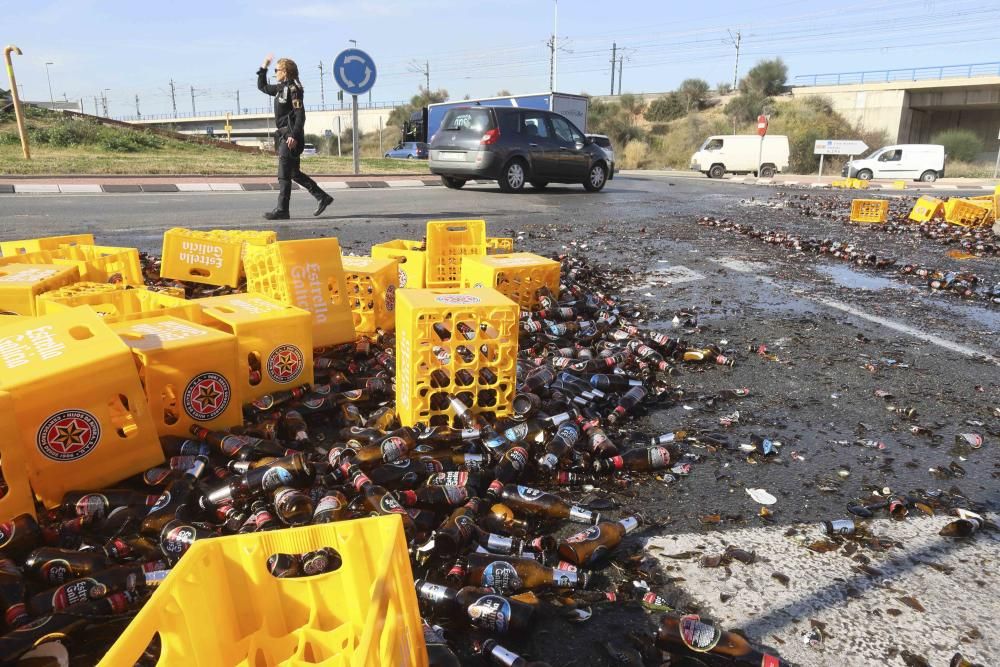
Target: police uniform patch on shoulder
(296, 103)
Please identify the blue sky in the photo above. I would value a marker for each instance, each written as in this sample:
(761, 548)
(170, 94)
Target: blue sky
(124, 49)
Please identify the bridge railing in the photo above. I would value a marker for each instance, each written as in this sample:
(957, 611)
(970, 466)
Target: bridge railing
(905, 74)
(256, 111)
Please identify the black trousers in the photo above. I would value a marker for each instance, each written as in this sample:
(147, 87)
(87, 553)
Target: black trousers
(288, 171)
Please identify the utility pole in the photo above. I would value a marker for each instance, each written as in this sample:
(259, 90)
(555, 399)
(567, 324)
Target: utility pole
(427, 74)
(736, 42)
(322, 92)
(49, 79)
(193, 112)
(173, 97)
(138, 114)
(614, 53)
(555, 42)
(104, 102)
(552, 63)
(621, 64)
(237, 102)
(96, 112)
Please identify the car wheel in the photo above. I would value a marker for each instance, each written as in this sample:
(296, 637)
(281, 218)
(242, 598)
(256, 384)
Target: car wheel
(387, 155)
(928, 176)
(865, 175)
(539, 185)
(409, 157)
(717, 171)
(596, 178)
(767, 171)
(453, 183)
(512, 176)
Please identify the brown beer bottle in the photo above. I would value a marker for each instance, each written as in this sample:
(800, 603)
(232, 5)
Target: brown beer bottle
(508, 574)
(636, 460)
(294, 471)
(377, 499)
(174, 498)
(438, 652)
(49, 565)
(480, 607)
(116, 579)
(688, 632)
(12, 606)
(19, 536)
(589, 546)
(539, 503)
(102, 503)
(332, 506)
(458, 529)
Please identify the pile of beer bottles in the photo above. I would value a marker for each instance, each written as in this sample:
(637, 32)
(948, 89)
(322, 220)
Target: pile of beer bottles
(479, 499)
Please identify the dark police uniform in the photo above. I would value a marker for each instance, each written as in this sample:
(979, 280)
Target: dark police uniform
(289, 120)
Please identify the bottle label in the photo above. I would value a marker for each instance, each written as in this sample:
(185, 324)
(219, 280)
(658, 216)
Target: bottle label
(161, 502)
(55, 571)
(515, 433)
(179, 539)
(517, 457)
(275, 477)
(769, 661)
(659, 457)
(581, 515)
(490, 613)
(156, 476)
(527, 493)
(564, 578)
(75, 592)
(233, 443)
(92, 504)
(592, 533)
(433, 592)
(465, 525)
(390, 505)
(263, 403)
(317, 563)
(15, 615)
(450, 478)
(328, 504)
(502, 576)
(455, 495)
(499, 544)
(393, 449)
(698, 636)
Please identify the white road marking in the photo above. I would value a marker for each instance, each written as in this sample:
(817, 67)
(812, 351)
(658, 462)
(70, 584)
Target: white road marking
(749, 268)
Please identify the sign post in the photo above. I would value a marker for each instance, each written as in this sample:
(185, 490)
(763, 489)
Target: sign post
(355, 72)
(848, 147)
(996, 167)
(761, 130)
(18, 113)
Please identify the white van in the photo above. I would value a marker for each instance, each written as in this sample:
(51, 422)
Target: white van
(738, 153)
(921, 162)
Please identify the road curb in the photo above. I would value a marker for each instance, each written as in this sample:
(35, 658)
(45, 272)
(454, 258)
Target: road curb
(161, 188)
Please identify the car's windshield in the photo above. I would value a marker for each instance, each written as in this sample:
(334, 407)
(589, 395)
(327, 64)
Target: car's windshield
(711, 145)
(475, 120)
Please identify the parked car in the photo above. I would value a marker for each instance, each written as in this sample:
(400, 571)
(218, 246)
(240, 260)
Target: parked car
(921, 162)
(409, 150)
(604, 142)
(309, 149)
(514, 146)
(739, 154)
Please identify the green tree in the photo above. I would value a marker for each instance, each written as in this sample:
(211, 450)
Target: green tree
(503, 92)
(724, 88)
(424, 97)
(964, 145)
(745, 107)
(633, 105)
(665, 108)
(766, 78)
(693, 92)
(611, 119)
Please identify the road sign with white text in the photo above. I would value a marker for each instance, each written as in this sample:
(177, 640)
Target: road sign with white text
(839, 147)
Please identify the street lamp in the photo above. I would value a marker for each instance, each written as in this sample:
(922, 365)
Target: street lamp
(354, 42)
(49, 79)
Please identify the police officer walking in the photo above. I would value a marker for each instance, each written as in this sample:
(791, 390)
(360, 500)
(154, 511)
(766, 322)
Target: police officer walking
(289, 137)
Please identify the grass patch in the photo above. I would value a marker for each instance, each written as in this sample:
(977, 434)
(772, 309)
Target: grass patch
(62, 145)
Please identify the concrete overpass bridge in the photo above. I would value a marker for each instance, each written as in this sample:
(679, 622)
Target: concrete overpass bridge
(255, 127)
(912, 105)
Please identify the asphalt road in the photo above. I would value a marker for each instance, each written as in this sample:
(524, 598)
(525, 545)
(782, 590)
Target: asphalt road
(834, 335)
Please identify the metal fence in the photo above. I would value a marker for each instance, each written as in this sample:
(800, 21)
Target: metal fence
(256, 111)
(907, 74)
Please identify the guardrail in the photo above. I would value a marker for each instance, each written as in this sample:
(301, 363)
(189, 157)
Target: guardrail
(256, 111)
(905, 74)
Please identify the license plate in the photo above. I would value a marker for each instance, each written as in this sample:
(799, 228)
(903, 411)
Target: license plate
(451, 156)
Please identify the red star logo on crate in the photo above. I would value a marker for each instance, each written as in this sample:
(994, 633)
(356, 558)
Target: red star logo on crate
(207, 396)
(68, 435)
(285, 363)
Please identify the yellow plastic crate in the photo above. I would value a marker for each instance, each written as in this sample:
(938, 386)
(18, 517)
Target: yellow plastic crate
(117, 305)
(33, 257)
(251, 236)
(275, 341)
(480, 329)
(926, 209)
(989, 202)
(371, 291)
(8, 248)
(20, 284)
(498, 245)
(81, 418)
(899, 185)
(103, 262)
(516, 275)
(220, 607)
(307, 274)
(447, 242)
(201, 257)
(840, 184)
(19, 498)
(869, 210)
(188, 373)
(857, 184)
(965, 213)
(411, 257)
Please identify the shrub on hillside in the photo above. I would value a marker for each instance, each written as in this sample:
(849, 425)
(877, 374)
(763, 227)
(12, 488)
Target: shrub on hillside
(962, 145)
(635, 155)
(665, 108)
(766, 78)
(746, 106)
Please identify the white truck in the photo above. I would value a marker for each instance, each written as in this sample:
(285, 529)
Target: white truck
(739, 153)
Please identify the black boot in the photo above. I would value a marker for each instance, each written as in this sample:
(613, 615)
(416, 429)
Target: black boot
(323, 203)
(276, 215)
(284, 196)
